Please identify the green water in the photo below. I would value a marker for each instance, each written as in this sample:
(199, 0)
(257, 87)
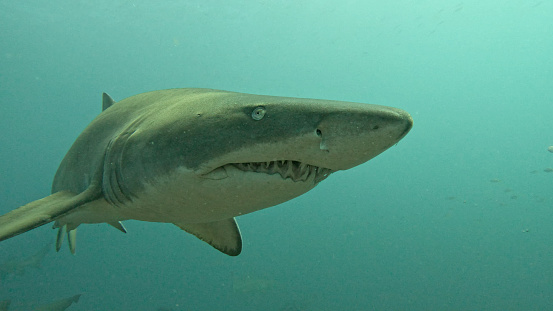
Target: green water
(457, 216)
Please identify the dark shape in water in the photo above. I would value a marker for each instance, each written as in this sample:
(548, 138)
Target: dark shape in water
(19, 266)
(58, 305)
(5, 304)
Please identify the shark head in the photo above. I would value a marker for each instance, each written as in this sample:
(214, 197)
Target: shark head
(232, 153)
(325, 136)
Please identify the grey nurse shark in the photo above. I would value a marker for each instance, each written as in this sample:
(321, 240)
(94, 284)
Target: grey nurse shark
(197, 158)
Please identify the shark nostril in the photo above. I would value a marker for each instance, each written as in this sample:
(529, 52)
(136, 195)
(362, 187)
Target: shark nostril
(318, 132)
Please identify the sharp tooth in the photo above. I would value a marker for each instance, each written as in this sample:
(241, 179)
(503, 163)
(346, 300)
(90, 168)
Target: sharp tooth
(305, 174)
(272, 167)
(277, 168)
(295, 171)
(282, 169)
(240, 166)
(313, 172)
(322, 174)
(289, 169)
(303, 168)
(264, 167)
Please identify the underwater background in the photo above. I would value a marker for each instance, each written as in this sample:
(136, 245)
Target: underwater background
(457, 216)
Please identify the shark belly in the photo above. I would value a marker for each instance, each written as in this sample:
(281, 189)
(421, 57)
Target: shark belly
(184, 197)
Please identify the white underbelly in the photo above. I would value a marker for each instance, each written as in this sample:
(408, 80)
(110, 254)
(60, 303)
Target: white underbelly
(184, 197)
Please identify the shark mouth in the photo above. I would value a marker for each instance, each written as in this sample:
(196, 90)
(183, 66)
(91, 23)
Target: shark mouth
(288, 169)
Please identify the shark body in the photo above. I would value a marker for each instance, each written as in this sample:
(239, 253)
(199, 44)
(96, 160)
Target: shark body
(197, 158)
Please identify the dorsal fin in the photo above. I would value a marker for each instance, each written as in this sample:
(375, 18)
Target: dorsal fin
(107, 101)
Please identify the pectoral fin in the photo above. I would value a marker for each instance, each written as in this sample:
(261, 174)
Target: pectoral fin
(223, 235)
(43, 211)
(118, 225)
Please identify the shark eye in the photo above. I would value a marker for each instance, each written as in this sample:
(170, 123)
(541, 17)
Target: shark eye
(258, 113)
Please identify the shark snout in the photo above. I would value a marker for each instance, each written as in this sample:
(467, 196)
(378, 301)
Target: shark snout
(350, 138)
(405, 119)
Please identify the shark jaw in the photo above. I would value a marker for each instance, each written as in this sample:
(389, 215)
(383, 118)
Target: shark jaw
(184, 196)
(287, 169)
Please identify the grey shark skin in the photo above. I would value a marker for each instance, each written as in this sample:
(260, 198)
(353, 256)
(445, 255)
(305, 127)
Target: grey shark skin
(197, 158)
